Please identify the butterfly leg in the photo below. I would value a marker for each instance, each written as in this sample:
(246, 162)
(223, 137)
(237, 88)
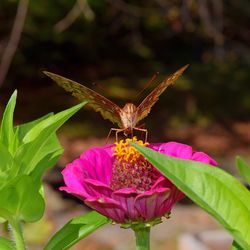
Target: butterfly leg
(143, 130)
(110, 131)
(117, 130)
(143, 126)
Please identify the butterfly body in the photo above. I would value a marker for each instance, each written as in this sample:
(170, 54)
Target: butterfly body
(127, 117)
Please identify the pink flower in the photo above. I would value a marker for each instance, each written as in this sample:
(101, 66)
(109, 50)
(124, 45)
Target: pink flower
(118, 182)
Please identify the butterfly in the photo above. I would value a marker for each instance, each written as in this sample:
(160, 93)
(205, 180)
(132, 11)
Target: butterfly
(126, 117)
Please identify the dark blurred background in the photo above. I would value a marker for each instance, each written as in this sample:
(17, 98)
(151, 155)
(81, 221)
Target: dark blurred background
(114, 47)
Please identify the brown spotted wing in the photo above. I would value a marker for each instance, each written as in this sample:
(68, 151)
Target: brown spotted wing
(127, 117)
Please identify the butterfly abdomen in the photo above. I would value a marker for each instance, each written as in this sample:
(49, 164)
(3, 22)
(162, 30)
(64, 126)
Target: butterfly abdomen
(128, 116)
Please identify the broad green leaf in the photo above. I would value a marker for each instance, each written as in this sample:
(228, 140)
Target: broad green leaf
(7, 132)
(6, 244)
(52, 123)
(236, 246)
(6, 162)
(219, 193)
(23, 129)
(243, 169)
(51, 151)
(75, 230)
(32, 205)
(35, 141)
(5, 156)
(20, 200)
(25, 153)
(49, 160)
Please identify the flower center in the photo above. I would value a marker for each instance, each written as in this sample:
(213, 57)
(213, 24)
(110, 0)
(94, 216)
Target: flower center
(130, 168)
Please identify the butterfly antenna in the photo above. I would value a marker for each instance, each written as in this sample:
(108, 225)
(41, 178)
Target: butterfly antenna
(153, 78)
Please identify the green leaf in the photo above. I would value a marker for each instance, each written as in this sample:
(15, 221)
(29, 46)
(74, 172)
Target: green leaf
(26, 127)
(21, 130)
(20, 200)
(6, 244)
(236, 246)
(51, 124)
(219, 193)
(7, 132)
(54, 151)
(25, 153)
(36, 141)
(244, 169)
(5, 156)
(75, 230)
(6, 162)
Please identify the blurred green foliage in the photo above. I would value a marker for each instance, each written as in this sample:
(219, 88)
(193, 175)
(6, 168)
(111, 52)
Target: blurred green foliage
(122, 43)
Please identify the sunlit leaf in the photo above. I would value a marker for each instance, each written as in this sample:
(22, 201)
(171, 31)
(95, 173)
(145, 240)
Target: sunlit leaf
(23, 129)
(20, 200)
(5, 156)
(75, 230)
(219, 193)
(25, 153)
(7, 132)
(6, 244)
(38, 140)
(6, 163)
(53, 151)
(235, 246)
(51, 123)
(244, 169)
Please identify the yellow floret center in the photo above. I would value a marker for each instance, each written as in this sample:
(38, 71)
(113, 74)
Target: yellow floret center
(130, 168)
(124, 152)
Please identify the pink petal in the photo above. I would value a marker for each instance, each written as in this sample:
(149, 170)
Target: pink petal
(162, 181)
(107, 207)
(126, 197)
(175, 196)
(149, 202)
(204, 158)
(98, 164)
(80, 194)
(173, 149)
(108, 149)
(74, 175)
(97, 189)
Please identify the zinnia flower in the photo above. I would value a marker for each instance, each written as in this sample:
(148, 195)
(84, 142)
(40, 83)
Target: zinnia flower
(119, 183)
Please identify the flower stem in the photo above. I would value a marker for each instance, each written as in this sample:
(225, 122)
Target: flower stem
(17, 233)
(142, 236)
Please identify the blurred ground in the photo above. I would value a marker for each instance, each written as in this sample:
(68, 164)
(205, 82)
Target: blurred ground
(220, 140)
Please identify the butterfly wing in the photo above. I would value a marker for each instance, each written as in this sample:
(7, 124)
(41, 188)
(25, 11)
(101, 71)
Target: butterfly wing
(144, 108)
(99, 103)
